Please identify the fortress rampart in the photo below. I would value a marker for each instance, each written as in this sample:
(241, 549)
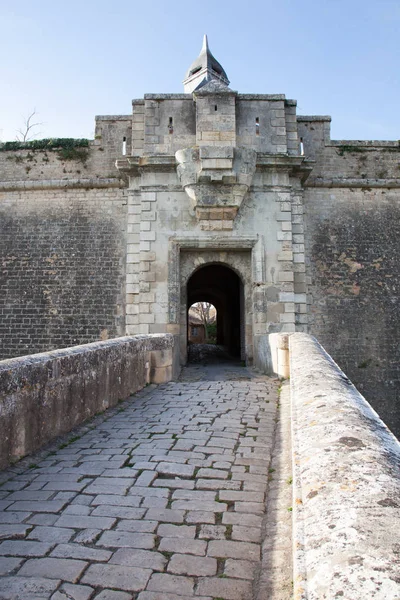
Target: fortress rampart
(286, 229)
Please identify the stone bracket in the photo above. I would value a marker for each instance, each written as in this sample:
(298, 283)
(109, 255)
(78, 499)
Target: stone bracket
(216, 177)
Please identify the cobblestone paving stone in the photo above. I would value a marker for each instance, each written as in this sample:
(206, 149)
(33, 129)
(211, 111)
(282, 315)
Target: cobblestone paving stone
(163, 497)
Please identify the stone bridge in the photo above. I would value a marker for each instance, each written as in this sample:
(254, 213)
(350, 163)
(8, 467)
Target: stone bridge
(219, 483)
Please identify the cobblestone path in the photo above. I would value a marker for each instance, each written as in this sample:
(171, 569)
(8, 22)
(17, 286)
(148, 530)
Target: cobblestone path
(161, 498)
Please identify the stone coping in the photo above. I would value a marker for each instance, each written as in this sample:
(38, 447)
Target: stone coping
(44, 357)
(351, 182)
(365, 143)
(346, 493)
(54, 184)
(313, 118)
(273, 97)
(113, 117)
(47, 394)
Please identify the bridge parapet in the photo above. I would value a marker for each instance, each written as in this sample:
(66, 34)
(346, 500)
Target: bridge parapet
(45, 395)
(346, 493)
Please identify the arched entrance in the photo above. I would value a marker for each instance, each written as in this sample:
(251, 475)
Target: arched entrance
(221, 286)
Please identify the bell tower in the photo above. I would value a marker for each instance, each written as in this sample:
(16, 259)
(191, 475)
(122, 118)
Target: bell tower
(203, 70)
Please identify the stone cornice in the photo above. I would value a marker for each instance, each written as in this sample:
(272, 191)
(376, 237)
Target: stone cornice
(54, 184)
(352, 182)
(296, 165)
(215, 241)
(167, 97)
(262, 97)
(134, 165)
(313, 118)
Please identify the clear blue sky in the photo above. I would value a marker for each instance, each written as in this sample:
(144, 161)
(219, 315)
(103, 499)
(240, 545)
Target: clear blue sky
(72, 60)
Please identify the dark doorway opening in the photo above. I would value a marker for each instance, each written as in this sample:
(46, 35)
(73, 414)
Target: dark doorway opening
(220, 286)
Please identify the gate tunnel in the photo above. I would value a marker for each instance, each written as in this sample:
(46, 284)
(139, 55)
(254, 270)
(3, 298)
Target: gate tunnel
(221, 286)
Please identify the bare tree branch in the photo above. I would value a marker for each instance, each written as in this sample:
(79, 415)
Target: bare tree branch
(26, 132)
(204, 312)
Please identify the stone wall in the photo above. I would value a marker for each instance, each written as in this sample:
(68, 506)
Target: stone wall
(196, 203)
(346, 484)
(93, 251)
(352, 219)
(62, 279)
(97, 161)
(165, 123)
(63, 243)
(162, 226)
(46, 395)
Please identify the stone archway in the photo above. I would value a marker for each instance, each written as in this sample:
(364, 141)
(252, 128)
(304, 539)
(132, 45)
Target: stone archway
(221, 286)
(224, 279)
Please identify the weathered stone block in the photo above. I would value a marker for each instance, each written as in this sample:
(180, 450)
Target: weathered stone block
(161, 358)
(161, 374)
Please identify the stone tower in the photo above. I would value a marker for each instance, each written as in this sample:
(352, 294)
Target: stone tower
(215, 196)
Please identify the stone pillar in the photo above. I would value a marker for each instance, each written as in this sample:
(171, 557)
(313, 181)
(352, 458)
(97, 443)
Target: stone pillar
(132, 262)
(161, 366)
(279, 347)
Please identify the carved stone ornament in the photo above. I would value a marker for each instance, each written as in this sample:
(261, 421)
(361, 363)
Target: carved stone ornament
(216, 176)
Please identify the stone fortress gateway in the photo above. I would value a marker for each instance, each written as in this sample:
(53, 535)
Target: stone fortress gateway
(210, 195)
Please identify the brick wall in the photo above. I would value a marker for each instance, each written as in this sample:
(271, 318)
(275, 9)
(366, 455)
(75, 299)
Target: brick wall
(62, 279)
